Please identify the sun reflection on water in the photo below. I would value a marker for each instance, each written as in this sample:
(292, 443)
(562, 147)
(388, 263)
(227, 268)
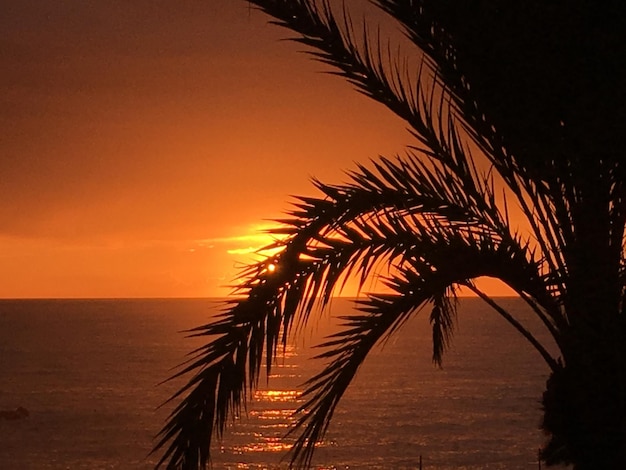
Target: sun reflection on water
(267, 444)
(271, 414)
(276, 395)
(263, 428)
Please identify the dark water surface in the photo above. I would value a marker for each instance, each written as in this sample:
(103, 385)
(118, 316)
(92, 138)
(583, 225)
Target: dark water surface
(87, 370)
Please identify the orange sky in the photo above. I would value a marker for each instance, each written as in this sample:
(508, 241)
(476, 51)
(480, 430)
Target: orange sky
(144, 143)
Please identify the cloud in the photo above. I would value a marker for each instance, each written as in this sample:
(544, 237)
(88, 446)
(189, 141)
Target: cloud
(251, 239)
(243, 251)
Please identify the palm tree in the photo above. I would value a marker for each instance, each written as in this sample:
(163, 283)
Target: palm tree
(523, 99)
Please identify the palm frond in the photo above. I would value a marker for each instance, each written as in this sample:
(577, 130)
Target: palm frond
(429, 278)
(442, 320)
(426, 109)
(347, 350)
(381, 315)
(332, 41)
(405, 216)
(429, 221)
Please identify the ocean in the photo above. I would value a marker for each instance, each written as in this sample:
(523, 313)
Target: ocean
(88, 372)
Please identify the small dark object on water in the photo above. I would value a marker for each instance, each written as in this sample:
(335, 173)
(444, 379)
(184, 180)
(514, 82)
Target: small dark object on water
(19, 413)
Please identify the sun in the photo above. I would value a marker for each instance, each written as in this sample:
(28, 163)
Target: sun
(271, 268)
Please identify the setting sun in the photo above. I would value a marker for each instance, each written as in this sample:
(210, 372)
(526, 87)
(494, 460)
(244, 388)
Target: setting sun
(162, 179)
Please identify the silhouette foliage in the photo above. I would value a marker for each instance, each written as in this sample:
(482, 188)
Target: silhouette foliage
(510, 104)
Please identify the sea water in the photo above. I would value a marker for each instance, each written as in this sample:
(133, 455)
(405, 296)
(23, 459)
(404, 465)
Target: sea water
(87, 371)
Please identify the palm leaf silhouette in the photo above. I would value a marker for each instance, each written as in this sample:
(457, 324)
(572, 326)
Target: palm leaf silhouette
(491, 112)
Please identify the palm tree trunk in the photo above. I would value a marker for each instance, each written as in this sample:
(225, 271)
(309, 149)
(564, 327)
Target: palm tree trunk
(584, 415)
(585, 400)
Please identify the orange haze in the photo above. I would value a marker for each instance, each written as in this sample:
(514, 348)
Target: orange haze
(144, 143)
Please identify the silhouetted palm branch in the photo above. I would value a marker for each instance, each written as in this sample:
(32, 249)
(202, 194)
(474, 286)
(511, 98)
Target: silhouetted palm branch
(415, 221)
(424, 223)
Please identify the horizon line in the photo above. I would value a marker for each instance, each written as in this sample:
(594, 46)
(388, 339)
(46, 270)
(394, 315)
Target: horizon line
(206, 297)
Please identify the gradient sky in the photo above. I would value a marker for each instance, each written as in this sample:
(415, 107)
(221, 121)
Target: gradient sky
(143, 144)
